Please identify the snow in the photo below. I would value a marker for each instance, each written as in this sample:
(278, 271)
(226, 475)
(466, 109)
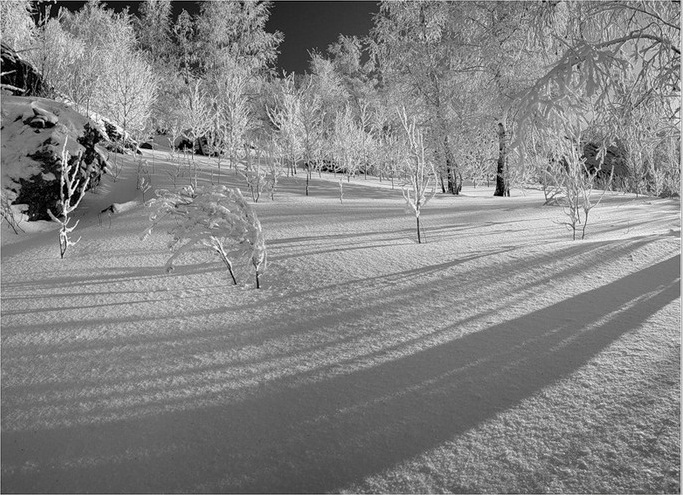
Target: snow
(365, 356)
(18, 139)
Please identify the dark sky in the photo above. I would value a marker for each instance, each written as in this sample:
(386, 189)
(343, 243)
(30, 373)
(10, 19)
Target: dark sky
(306, 24)
(315, 24)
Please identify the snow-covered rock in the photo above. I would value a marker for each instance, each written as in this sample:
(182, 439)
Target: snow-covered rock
(118, 140)
(34, 131)
(20, 76)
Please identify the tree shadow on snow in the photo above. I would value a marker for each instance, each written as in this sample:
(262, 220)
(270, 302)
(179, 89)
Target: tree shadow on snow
(325, 435)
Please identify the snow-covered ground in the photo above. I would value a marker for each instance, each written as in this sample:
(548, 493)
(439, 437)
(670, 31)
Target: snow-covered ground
(498, 356)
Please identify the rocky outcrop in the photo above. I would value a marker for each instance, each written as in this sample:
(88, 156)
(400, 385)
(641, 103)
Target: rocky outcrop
(34, 133)
(19, 77)
(119, 141)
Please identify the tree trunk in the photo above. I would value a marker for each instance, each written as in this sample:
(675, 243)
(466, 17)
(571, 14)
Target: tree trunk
(451, 177)
(419, 239)
(502, 187)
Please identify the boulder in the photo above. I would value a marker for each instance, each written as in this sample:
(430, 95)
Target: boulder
(50, 118)
(37, 122)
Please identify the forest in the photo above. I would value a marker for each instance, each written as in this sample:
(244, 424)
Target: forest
(515, 93)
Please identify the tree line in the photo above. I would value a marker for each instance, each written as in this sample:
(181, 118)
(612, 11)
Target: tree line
(508, 92)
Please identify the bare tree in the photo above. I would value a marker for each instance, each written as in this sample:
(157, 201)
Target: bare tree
(420, 185)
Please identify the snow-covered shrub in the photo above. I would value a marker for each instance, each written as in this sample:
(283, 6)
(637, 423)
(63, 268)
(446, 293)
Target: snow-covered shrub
(73, 184)
(255, 175)
(217, 217)
(575, 180)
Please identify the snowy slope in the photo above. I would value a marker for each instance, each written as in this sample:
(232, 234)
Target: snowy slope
(367, 363)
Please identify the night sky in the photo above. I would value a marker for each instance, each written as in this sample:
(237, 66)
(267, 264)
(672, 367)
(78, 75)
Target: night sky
(314, 24)
(306, 24)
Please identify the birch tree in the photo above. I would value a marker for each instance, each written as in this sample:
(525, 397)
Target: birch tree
(286, 118)
(418, 48)
(311, 121)
(234, 116)
(420, 185)
(195, 112)
(132, 92)
(347, 141)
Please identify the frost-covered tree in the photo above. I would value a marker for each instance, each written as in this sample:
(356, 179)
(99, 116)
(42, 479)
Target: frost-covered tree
(457, 65)
(232, 35)
(390, 156)
(108, 39)
(286, 118)
(311, 119)
(132, 92)
(418, 48)
(622, 56)
(16, 25)
(195, 112)
(154, 30)
(90, 56)
(216, 217)
(347, 141)
(346, 57)
(73, 182)
(273, 157)
(420, 184)
(56, 54)
(328, 85)
(572, 177)
(233, 113)
(364, 133)
(184, 34)
(255, 173)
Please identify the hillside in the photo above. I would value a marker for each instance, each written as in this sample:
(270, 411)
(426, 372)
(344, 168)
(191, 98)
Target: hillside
(500, 356)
